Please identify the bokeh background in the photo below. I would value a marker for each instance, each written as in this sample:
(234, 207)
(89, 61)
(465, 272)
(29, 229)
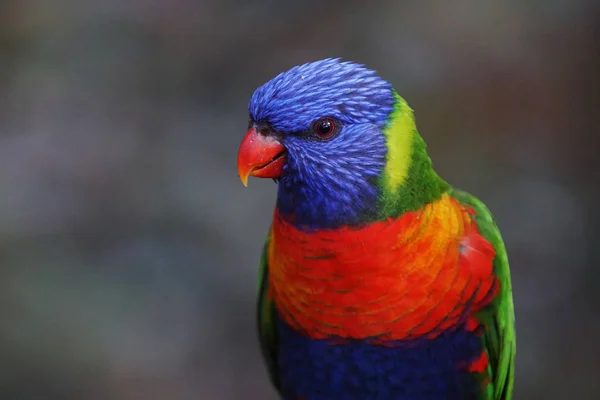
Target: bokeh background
(129, 248)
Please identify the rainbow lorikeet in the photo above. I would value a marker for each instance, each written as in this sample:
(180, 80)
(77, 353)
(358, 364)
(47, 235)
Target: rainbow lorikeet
(378, 280)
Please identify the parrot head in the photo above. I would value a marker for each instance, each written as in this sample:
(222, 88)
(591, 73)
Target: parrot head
(340, 142)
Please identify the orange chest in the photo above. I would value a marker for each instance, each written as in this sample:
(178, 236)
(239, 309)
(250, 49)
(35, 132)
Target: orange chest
(396, 279)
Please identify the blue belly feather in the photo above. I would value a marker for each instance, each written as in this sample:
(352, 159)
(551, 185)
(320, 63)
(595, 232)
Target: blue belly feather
(423, 369)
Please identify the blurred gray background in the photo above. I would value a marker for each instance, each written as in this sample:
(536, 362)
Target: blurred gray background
(129, 248)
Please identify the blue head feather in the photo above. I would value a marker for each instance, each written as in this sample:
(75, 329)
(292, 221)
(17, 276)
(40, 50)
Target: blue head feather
(327, 184)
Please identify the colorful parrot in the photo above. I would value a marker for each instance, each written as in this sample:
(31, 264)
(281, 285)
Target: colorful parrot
(378, 280)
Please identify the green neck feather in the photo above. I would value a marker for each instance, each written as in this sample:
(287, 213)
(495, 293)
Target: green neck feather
(408, 181)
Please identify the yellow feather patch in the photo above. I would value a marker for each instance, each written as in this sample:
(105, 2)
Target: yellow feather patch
(399, 136)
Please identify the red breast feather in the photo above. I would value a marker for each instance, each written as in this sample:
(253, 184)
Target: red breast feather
(401, 279)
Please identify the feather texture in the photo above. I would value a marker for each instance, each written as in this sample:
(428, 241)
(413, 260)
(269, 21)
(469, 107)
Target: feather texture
(404, 278)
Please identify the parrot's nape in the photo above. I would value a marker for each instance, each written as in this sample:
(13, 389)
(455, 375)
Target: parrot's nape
(378, 280)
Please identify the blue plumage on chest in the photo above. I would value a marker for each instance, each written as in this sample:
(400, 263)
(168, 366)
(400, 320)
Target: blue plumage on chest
(425, 369)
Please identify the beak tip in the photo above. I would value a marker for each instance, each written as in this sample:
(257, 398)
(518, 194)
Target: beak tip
(244, 180)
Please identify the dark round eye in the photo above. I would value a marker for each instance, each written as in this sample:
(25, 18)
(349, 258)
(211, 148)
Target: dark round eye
(324, 127)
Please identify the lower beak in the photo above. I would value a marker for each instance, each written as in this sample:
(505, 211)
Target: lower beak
(261, 156)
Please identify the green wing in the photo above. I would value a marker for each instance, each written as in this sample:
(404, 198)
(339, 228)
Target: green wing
(267, 320)
(499, 317)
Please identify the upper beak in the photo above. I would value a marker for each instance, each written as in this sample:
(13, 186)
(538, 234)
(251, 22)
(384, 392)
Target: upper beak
(261, 156)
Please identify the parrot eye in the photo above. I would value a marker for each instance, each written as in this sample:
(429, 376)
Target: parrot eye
(324, 128)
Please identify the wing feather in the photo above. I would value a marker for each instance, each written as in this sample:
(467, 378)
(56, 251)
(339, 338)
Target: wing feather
(267, 320)
(498, 318)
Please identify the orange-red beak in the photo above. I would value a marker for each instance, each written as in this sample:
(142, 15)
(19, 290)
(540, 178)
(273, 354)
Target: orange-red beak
(261, 156)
